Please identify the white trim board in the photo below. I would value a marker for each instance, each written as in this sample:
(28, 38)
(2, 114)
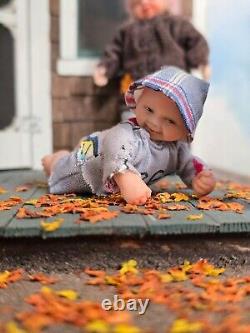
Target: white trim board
(40, 80)
(69, 63)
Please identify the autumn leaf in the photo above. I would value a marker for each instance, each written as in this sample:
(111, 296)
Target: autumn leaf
(179, 197)
(163, 197)
(22, 188)
(2, 190)
(185, 326)
(130, 209)
(162, 216)
(42, 278)
(10, 276)
(204, 267)
(94, 216)
(11, 202)
(4, 279)
(32, 202)
(98, 326)
(178, 274)
(126, 328)
(195, 217)
(177, 207)
(52, 225)
(129, 267)
(11, 327)
(67, 293)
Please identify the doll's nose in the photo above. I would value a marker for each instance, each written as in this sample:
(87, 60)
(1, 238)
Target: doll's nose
(155, 124)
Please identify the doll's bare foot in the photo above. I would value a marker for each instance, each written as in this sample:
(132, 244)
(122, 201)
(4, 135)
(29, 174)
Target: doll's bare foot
(49, 161)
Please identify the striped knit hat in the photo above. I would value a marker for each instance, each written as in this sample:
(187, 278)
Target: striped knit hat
(186, 90)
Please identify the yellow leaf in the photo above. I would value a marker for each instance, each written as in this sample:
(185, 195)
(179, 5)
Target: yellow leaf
(165, 278)
(184, 326)
(31, 202)
(179, 197)
(67, 293)
(111, 280)
(178, 275)
(129, 267)
(4, 277)
(46, 290)
(186, 266)
(51, 226)
(163, 197)
(215, 271)
(97, 326)
(195, 217)
(125, 328)
(2, 190)
(11, 327)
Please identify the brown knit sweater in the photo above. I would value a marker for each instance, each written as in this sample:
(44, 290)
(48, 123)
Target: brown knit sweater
(143, 46)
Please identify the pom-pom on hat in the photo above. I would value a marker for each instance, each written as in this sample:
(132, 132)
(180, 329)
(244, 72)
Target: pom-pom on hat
(187, 91)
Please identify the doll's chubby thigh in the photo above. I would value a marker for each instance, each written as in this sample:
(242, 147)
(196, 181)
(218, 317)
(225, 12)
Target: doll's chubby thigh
(67, 177)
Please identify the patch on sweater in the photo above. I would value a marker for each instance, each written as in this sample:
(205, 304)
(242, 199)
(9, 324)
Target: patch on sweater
(88, 148)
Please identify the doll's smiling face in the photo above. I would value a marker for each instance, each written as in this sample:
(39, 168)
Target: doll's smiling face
(160, 116)
(147, 9)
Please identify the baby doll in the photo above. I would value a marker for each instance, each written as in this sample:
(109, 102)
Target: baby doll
(152, 39)
(133, 154)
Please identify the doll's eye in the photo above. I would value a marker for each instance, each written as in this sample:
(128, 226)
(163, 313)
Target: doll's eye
(170, 121)
(147, 108)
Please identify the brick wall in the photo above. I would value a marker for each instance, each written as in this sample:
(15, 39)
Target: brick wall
(78, 107)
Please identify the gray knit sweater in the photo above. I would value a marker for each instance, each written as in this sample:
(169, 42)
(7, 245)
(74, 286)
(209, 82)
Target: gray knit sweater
(125, 146)
(141, 47)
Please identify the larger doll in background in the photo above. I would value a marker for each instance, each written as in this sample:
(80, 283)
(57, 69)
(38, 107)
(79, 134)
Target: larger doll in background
(151, 39)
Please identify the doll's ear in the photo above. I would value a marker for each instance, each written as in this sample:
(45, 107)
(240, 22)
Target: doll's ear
(189, 138)
(137, 94)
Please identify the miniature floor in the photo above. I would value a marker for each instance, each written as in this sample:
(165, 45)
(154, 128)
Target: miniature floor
(124, 225)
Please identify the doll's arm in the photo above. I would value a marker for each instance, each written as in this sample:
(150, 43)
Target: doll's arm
(133, 189)
(194, 172)
(205, 71)
(110, 64)
(119, 173)
(193, 43)
(100, 76)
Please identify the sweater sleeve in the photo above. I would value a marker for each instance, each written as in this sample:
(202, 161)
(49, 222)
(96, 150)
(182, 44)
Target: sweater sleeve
(188, 165)
(119, 149)
(113, 54)
(192, 42)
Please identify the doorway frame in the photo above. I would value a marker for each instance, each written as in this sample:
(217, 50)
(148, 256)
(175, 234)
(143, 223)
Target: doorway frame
(40, 79)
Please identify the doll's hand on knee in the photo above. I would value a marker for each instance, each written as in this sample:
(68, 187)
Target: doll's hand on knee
(99, 77)
(133, 189)
(204, 183)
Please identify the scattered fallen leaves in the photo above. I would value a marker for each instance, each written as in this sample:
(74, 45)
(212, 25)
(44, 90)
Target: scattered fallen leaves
(215, 204)
(211, 296)
(11, 202)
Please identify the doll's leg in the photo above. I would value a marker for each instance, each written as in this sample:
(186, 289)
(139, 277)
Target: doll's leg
(66, 175)
(49, 161)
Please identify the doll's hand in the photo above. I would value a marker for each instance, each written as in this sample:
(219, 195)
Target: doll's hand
(205, 71)
(99, 77)
(132, 188)
(203, 183)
